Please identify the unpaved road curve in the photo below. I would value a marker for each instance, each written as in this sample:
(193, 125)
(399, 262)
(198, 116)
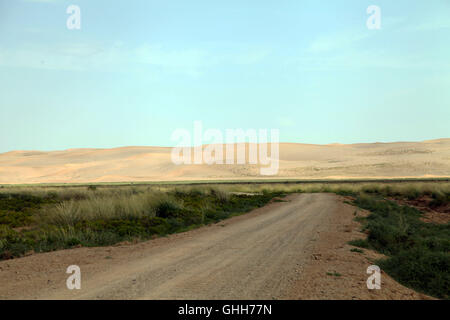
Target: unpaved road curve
(258, 255)
(254, 258)
(284, 250)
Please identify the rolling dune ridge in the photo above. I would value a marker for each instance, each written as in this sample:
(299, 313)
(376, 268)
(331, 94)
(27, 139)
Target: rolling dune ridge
(427, 159)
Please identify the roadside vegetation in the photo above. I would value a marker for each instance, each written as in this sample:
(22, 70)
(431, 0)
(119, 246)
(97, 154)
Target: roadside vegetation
(40, 219)
(418, 253)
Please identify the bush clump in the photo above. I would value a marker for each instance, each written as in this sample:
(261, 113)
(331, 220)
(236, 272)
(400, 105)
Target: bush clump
(418, 252)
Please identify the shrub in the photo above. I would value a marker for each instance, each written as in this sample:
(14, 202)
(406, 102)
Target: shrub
(166, 208)
(221, 195)
(359, 243)
(418, 252)
(421, 269)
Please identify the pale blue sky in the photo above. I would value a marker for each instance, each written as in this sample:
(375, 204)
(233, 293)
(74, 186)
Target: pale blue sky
(138, 70)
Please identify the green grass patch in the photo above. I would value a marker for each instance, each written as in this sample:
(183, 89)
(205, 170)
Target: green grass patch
(357, 250)
(418, 253)
(16, 209)
(362, 243)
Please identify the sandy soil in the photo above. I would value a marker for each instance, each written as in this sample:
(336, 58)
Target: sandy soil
(332, 255)
(281, 251)
(302, 161)
(439, 214)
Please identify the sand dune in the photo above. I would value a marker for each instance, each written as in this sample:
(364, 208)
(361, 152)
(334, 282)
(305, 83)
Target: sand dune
(424, 159)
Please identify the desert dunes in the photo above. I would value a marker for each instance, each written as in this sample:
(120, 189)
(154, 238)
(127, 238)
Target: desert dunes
(426, 159)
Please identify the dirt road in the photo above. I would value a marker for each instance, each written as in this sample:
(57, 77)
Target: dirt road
(260, 255)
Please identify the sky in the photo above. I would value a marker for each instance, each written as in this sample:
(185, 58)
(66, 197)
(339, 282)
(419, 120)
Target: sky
(136, 71)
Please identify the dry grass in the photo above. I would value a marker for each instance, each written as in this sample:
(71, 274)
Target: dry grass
(82, 192)
(70, 205)
(96, 207)
(405, 188)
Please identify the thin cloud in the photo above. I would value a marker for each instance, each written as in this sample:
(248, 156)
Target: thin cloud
(41, 1)
(119, 57)
(431, 25)
(337, 41)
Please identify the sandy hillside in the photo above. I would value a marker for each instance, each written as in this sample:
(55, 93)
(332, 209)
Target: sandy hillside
(301, 161)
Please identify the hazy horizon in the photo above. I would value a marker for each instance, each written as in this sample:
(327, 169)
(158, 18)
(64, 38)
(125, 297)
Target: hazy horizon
(281, 142)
